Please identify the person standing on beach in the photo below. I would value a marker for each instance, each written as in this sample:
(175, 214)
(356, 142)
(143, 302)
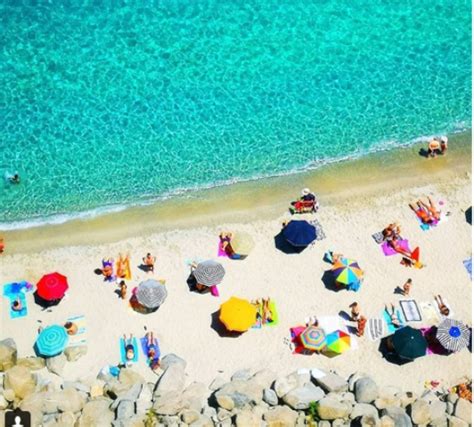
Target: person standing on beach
(149, 262)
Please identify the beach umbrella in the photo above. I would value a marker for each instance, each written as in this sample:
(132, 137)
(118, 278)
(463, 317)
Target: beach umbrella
(242, 243)
(453, 335)
(52, 286)
(51, 341)
(238, 314)
(347, 271)
(313, 338)
(409, 343)
(338, 342)
(299, 233)
(209, 273)
(151, 293)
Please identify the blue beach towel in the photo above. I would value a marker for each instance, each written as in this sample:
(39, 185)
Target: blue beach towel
(144, 343)
(468, 264)
(11, 289)
(388, 321)
(80, 337)
(123, 357)
(24, 311)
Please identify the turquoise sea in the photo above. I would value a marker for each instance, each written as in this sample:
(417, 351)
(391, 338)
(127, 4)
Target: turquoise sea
(114, 103)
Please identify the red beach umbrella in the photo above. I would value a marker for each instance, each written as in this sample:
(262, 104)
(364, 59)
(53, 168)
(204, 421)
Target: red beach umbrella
(52, 286)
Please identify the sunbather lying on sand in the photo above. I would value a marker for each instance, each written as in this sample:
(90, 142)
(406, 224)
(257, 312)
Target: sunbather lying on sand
(267, 315)
(71, 328)
(428, 213)
(122, 265)
(152, 352)
(129, 349)
(17, 305)
(443, 309)
(392, 231)
(393, 315)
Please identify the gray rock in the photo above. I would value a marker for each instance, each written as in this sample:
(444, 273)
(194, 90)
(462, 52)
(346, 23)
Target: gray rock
(20, 380)
(406, 398)
(365, 390)
(280, 416)
(301, 397)
(130, 395)
(361, 409)
(125, 409)
(168, 421)
(429, 396)
(386, 421)
(203, 421)
(348, 397)
(265, 378)
(340, 423)
(168, 404)
(324, 423)
(172, 380)
(8, 354)
(195, 396)
(172, 403)
(210, 412)
(437, 411)
(332, 382)
(370, 421)
(66, 419)
(331, 409)
(69, 400)
(452, 398)
(189, 416)
(32, 363)
(217, 383)
(144, 400)
(56, 364)
(75, 353)
(440, 422)
(353, 378)
(96, 413)
(463, 410)
(3, 403)
(388, 396)
(128, 377)
(77, 386)
(456, 422)
(270, 397)
(420, 411)
(247, 418)
(398, 415)
(238, 393)
(449, 408)
(243, 374)
(284, 385)
(172, 359)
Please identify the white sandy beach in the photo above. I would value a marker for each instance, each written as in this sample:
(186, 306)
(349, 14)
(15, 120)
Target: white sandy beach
(183, 323)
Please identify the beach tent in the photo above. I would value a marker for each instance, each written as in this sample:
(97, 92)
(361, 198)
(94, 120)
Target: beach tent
(151, 294)
(51, 341)
(338, 342)
(453, 335)
(242, 243)
(209, 273)
(409, 343)
(313, 338)
(238, 314)
(52, 287)
(299, 233)
(347, 272)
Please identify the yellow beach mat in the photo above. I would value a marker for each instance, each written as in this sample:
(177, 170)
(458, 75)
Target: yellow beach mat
(275, 317)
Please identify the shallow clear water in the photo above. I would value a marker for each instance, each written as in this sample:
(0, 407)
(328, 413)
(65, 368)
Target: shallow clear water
(104, 106)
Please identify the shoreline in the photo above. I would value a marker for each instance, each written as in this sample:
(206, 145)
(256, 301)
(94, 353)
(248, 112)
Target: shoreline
(370, 176)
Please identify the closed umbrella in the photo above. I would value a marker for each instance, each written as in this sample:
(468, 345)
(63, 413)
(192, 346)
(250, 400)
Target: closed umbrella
(51, 341)
(299, 233)
(238, 314)
(313, 338)
(338, 342)
(347, 271)
(409, 343)
(209, 273)
(453, 335)
(242, 243)
(151, 293)
(52, 286)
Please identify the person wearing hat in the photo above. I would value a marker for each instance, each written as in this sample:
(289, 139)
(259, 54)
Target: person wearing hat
(307, 195)
(437, 145)
(301, 203)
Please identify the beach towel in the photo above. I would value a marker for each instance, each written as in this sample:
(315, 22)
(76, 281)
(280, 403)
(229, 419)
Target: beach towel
(388, 250)
(391, 327)
(80, 337)
(375, 329)
(123, 357)
(295, 333)
(144, 345)
(429, 313)
(220, 251)
(258, 323)
(214, 291)
(16, 287)
(410, 310)
(446, 303)
(21, 313)
(468, 264)
(434, 347)
(378, 237)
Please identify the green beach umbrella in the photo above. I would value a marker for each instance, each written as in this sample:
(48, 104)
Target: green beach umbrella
(409, 343)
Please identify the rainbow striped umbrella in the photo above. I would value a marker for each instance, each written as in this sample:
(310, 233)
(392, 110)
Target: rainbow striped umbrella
(313, 338)
(347, 271)
(338, 342)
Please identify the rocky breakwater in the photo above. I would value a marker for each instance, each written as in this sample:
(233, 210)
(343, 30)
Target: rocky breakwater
(247, 399)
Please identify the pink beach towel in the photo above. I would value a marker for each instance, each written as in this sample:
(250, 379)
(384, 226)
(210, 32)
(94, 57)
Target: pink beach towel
(221, 252)
(214, 291)
(388, 250)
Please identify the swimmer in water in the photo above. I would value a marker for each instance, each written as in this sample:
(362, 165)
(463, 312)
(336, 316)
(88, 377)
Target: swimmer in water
(14, 179)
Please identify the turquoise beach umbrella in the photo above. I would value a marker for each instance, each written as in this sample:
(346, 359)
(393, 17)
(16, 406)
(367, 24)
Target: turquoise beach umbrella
(51, 341)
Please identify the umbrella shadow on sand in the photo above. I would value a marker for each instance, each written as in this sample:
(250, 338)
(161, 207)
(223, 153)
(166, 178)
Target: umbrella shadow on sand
(391, 356)
(221, 330)
(282, 244)
(329, 282)
(468, 215)
(43, 302)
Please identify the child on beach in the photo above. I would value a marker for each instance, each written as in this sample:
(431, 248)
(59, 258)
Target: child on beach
(355, 311)
(149, 262)
(406, 288)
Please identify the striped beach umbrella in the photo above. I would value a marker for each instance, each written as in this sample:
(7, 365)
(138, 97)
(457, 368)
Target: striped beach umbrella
(409, 343)
(453, 335)
(242, 243)
(51, 341)
(52, 286)
(346, 271)
(299, 233)
(151, 293)
(338, 342)
(313, 338)
(209, 273)
(238, 314)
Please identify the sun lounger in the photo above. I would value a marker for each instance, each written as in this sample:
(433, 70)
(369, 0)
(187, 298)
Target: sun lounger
(391, 327)
(410, 310)
(79, 338)
(123, 356)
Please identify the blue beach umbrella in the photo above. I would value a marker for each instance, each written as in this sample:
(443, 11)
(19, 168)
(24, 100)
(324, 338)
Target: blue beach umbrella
(51, 341)
(299, 233)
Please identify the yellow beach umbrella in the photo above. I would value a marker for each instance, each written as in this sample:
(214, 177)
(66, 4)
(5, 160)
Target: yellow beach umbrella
(242, 243)
(238, 314)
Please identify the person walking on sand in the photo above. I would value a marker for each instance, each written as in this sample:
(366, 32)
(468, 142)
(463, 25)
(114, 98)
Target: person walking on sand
(355, 311)
(406, 288)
